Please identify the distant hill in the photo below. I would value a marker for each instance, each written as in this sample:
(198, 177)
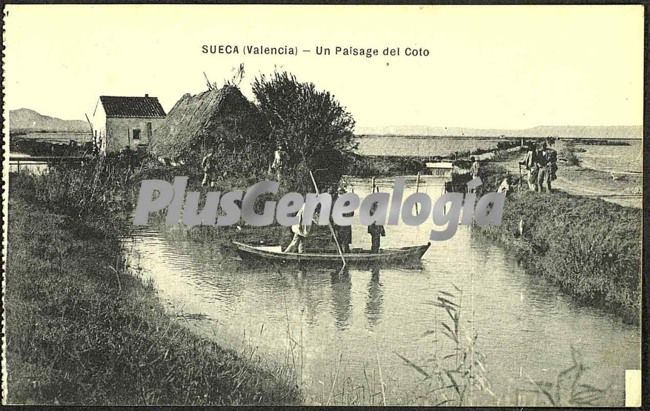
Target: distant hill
(26, 120)
(539, 131)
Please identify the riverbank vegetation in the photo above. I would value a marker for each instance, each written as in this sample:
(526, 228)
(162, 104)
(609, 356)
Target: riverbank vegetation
(589, 247)
(310, 125)
(84, 328)
(568, 153)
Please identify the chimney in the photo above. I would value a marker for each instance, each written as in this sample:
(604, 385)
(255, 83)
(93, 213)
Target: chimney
(146, 95)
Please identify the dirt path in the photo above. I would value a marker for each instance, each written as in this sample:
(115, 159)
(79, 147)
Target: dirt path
(583, 184)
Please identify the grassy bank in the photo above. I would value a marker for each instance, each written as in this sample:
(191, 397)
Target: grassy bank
(589, 247)
(82, 329)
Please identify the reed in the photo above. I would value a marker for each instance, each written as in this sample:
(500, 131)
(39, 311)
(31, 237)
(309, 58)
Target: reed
(452, 377)
(461, 378)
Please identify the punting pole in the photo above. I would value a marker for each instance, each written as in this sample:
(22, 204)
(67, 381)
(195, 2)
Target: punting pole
(329, 223)
(417, 188)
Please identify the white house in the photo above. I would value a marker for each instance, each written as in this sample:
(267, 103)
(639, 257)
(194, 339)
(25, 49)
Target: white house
(119, 122)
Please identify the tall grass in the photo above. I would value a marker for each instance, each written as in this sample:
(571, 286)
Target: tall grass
(459, 376)
(453, 378)
(82, 329)
(567, 390)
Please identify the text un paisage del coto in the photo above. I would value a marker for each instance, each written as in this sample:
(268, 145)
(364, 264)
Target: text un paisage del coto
(367, 52)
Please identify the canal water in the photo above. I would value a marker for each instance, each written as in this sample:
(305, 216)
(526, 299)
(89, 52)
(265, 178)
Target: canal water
(342, 332)
(21, 161)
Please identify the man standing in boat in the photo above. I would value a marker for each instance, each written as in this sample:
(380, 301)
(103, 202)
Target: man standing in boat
(301, 231)
(343, 232)
(376, 231)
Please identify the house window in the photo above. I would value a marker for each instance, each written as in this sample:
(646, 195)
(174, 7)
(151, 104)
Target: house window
(136, 134)
(149, 130)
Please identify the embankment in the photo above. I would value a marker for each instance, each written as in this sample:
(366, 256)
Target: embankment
(589, 247)
(390, 165)
(83, 328)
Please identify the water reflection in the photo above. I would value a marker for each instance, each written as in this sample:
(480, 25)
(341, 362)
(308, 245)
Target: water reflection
(341, 297)
(308, 297)
(375, 298)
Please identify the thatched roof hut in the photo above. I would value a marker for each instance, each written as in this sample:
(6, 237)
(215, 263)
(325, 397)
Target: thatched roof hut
(197, 123)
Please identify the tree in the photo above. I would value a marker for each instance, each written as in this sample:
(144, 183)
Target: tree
(316, 131)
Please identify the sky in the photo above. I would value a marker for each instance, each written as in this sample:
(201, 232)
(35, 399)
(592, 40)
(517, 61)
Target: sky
(488, 66)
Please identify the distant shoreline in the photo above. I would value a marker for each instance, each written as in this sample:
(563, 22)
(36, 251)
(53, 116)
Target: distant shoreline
(418, 137)
(21, 132)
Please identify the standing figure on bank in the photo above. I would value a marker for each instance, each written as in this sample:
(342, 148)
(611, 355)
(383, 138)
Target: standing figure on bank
(530, 162)
(475, 168)
(209, 165)
(552, 164)
(544, 175)
(279, 163)
(476, 171)
(376, 231)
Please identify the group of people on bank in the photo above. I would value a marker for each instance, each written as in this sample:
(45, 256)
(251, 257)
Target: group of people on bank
(541, 166)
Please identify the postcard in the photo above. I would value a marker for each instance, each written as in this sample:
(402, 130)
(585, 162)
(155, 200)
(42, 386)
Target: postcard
(317, 205)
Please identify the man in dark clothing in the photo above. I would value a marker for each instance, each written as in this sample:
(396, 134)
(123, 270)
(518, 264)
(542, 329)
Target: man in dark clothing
(530, 162)
(544, 167)
(343, 232)
(376, 231)
(552, 160)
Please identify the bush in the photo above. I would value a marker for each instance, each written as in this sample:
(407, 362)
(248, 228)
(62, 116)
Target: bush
(568, 153)
(316, 130)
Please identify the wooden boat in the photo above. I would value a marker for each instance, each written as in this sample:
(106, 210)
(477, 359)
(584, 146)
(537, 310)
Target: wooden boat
(357, 256)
